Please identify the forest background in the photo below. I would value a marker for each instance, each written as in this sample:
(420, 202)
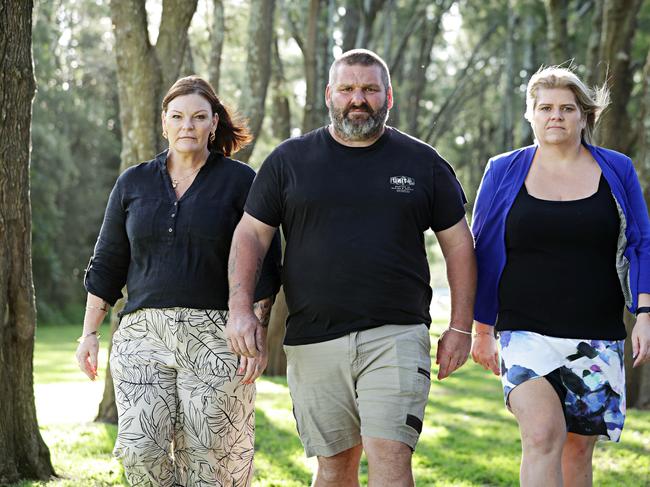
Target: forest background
(459, 71)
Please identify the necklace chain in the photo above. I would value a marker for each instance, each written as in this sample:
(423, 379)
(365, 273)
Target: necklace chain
(175, 181)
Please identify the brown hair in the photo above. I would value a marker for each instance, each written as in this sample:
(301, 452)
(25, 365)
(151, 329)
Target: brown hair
(591, 101)
(362, 57)
(231, 134)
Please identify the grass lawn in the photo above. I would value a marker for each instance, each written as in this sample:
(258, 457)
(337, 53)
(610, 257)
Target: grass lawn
(468, 439)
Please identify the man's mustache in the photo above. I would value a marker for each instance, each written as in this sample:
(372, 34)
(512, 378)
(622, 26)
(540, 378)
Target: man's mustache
(364, 107)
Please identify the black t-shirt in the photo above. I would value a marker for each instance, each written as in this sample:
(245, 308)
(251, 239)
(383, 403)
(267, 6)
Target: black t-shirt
(173, 253)
(560, 277)
(354, 220)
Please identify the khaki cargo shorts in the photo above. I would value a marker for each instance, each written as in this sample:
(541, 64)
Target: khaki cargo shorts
(372, 383)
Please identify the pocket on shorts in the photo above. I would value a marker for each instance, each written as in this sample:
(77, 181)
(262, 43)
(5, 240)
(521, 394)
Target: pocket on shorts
(414, 358)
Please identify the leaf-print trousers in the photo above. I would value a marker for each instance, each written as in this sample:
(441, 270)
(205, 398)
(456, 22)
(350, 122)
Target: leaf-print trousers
(185, 419)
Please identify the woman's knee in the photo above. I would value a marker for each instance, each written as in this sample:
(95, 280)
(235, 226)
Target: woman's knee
(579, 448)
(543, 441)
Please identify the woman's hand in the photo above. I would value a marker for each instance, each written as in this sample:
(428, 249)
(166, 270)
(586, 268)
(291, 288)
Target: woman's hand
(252, 367)
(484, 348)
(87, 355)
(641, 340)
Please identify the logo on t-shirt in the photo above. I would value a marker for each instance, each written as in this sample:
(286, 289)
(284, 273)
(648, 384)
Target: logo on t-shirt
(402, 184)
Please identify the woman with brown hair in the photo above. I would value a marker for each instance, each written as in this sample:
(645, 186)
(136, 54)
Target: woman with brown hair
(185, 401)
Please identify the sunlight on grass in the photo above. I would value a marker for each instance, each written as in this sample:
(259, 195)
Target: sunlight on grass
(468, 440)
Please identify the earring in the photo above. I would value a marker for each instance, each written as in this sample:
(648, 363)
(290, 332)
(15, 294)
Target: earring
(212, 136)
(164, 134)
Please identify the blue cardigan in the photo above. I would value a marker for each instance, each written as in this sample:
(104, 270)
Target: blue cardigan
(505, 174)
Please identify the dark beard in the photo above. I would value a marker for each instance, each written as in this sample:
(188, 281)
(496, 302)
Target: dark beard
(360, 130)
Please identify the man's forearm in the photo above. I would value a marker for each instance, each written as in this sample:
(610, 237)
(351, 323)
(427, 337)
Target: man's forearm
(244, 268)
(461, 274)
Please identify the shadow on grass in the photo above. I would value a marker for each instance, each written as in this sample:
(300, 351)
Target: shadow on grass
(279, 457)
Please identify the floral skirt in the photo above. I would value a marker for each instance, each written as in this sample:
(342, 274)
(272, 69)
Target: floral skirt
(588, 376)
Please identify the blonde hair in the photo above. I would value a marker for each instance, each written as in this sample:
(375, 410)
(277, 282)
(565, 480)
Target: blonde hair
(590, 101)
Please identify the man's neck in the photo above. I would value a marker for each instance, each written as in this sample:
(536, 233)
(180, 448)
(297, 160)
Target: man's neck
(355, 143)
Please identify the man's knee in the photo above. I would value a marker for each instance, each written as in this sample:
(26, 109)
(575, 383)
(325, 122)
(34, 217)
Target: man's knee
(391, 453)
(340, 466)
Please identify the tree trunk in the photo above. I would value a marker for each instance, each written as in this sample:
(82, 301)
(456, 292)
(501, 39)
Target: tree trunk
(216, 44)
(325, 58)
(351, 22)
(24, 454)
(144, 73)
(370, 9)
(593, 46)
(258, 68)
(281, 126)
(509, 81)
(529, 64)
(557, 36)
(428, 34)
(310, 115)
(619, 26)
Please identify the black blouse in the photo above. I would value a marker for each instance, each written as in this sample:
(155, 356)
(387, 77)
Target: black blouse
(169, 252)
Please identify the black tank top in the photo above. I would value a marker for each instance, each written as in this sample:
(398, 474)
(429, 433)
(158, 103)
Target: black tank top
(560, 276)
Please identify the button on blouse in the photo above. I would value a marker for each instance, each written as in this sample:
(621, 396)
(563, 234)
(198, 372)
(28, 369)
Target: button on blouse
(172, 252)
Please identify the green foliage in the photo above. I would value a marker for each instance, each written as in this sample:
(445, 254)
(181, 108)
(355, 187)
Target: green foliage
(468, 440)
(75, 138)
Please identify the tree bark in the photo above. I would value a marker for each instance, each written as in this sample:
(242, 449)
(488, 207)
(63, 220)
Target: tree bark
(428, 34)
(216, 44)
(369, 11)
(310, 115)
(24, 453)
(557, 35)
(172, 42)
(351, 22)
(529, 63)
(593, 46)
(282, 114)
(258, 68)
(619, 26)
(509, 81)
(142, 82)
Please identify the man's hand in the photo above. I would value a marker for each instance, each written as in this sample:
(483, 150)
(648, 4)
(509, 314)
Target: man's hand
(241, 332)
(452, 353)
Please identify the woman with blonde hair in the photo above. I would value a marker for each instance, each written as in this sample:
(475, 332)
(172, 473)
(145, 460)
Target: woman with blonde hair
(562, 243)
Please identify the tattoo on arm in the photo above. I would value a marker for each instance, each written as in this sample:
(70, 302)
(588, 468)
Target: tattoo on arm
(232, 264)
(262, 310)
(258, 270)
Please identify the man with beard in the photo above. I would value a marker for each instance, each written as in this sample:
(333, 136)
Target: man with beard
(354, 199)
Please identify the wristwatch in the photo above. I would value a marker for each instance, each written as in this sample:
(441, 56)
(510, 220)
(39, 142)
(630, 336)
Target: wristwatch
(642, 309)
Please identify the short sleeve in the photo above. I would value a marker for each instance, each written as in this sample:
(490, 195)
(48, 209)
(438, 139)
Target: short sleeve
(448, 197)
(265, 201)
